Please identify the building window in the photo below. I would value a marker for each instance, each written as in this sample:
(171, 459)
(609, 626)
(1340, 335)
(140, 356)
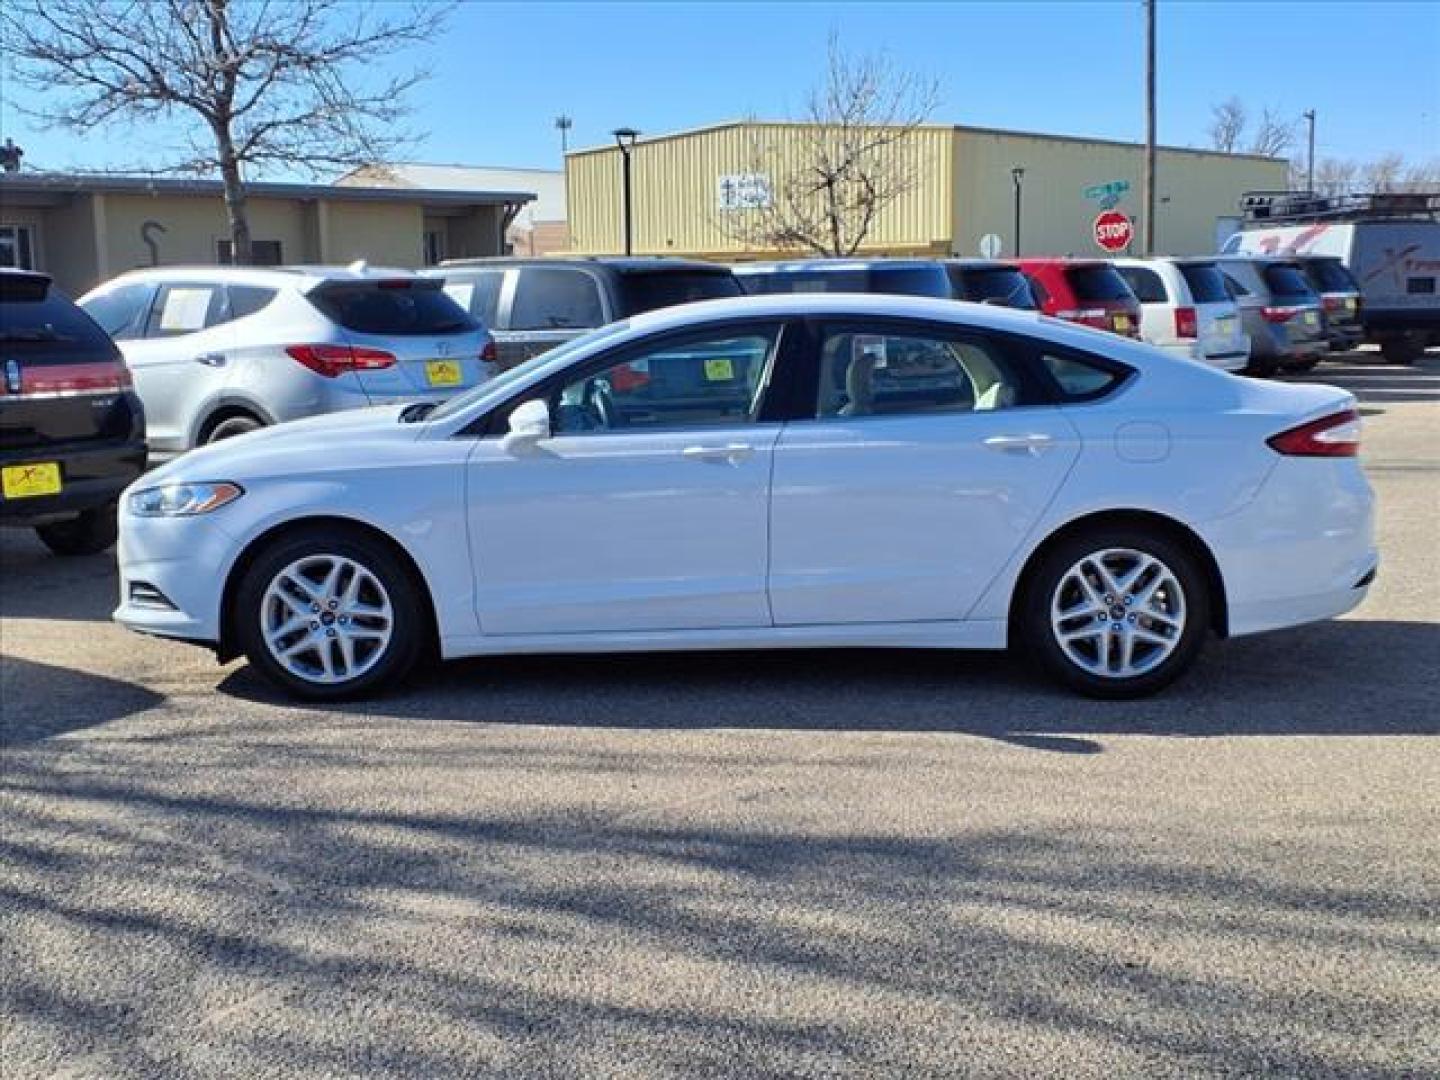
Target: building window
(262, 252)
(17, 247)
(434, 246)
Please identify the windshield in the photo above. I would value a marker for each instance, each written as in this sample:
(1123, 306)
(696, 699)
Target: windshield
(552, 359)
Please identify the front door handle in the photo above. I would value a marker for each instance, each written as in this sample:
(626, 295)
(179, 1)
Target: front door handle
(1033, 444)
(211, 359)
(729, 455)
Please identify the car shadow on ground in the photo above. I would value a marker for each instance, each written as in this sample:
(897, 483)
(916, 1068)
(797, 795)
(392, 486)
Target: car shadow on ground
(40, 701)
(35, 584)
(1335, 678)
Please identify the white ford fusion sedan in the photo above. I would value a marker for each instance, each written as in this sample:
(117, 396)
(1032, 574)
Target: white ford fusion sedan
(766, 472)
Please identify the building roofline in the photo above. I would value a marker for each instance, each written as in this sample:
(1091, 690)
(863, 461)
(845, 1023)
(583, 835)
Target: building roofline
(967, 128)
(112, 184)
(453, 165)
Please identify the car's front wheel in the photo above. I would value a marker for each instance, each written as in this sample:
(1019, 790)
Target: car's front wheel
(1116, 612)
(330, 616)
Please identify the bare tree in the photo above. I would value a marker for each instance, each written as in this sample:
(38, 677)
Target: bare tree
(260, 83)
(1227, 125)
(1273, 135)
(856, 155)
(1384, 173)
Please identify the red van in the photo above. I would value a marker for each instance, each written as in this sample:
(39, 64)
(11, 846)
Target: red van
(1088, 291)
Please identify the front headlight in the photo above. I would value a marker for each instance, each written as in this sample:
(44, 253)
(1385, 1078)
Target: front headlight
(183, 500)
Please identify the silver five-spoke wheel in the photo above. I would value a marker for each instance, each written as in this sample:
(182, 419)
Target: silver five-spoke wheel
(326, 619)
(1118, 613)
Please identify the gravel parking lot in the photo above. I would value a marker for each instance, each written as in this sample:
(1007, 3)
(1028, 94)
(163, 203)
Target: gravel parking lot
(801, 864)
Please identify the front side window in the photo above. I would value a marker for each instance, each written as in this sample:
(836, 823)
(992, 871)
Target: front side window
(555, 298)
(889, 374)
(708, 381)
(121, 312)
(184, 308)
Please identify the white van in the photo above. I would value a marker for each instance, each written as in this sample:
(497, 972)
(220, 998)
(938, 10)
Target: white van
(1389, 242)
(1186, 310)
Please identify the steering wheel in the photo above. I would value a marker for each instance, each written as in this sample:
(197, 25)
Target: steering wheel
(600, 404)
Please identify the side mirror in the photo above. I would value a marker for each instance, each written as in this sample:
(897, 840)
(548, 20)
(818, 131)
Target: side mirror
(529, 424)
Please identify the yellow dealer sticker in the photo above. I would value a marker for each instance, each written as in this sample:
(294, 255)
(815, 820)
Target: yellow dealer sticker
(27, 481)
(442, 372)
(720, 369)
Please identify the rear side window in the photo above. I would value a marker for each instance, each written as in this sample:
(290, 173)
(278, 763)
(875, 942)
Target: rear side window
(1286, 279)
(1207, 284)
(121, 312)
(246, 300)
(1097, 282)
(401, 307)
(1330, 275)
(478, 293)
(1004, 285)
(1233, 286)
(555, 298)
(1083, 378)
(644, 292)
(39, 324)
(1145, 284)
(184, 308)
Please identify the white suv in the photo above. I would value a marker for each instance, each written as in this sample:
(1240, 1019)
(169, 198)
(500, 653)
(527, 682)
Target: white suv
(217, 351)
(1186, 310)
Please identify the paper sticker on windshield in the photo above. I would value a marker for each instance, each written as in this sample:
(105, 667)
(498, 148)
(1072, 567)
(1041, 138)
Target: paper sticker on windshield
(868, 345)
(461, 292)
(185, 309)
(719, 369)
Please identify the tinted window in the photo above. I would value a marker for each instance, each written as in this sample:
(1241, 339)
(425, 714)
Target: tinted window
(1145, 284)
(404, 306)
(1233, 287)
(1082, 379)
(1330, 275)
(555, 298)
(1207, 284)
(121, 312)
(1095, 282)
(478, 292)
(184, 308)
(641, 292)
(698, 383)
(1004, 285)
(39, 324)
(1286, 280)
(903, 374)
(892, 280)
(262, 253)
(246, 300)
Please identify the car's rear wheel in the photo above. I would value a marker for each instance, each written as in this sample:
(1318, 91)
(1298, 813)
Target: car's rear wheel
(1402, 348)
(1299, 367)
(88, 533)
(230, 426)
(329, 616)
(1116, 612)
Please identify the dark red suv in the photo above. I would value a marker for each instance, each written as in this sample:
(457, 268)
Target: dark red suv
(72, 432)
(1087, 291)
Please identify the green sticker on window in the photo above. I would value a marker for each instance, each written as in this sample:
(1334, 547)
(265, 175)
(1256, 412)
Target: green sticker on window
(720, 369)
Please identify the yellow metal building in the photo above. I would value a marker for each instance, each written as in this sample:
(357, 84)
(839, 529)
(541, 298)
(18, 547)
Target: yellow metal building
(965, 190)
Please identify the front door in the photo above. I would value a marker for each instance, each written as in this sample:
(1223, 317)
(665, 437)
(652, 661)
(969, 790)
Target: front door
(647, 508)
(929, 457)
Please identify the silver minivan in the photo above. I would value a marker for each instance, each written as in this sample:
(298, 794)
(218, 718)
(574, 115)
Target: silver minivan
(1278, 309)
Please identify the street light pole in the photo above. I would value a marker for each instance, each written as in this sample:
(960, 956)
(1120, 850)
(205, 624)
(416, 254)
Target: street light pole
(563, 124)
(1016, 175)
(1309, 115)
(625, 140)
(1149, 185)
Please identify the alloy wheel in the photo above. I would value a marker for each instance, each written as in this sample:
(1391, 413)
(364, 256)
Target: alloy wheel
(326, 619)
(1118, 613)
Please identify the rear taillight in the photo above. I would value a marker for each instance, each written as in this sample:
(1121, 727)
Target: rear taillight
(1333, 303)
(72, 379)
(1096, 317)
(1279, 314)
(489, 354)
(1185, 323)
(335, 360)
(1330, 436)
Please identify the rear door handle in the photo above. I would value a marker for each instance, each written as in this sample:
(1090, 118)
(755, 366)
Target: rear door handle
(1020, 444)
(211, 359)
(730, 455)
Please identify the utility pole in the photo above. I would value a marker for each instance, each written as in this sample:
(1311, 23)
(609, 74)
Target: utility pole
(1309, 115)
(1017, 174)
(1148, 194)
(563, 124)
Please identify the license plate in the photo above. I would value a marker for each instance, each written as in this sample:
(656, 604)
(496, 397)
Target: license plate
(1225, 325)
(1123, 323)
(1350, 304)
(720, 369)
(1311, 319)
(442, 372)
(27, 481)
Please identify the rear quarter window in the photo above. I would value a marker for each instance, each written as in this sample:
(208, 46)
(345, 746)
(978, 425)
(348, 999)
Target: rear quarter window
(1145, 284)
(1079, 377)
(1286, 280)
(417, 306)
(478, 292)
(555, 298)
(1207, 284)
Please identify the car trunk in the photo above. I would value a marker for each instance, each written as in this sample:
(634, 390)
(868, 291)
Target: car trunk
(1338, 290)
(407, 337)
(1293, 305)
(1102, 299)
(1217, 318)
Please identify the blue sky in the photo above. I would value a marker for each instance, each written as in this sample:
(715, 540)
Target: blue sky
(504, 71)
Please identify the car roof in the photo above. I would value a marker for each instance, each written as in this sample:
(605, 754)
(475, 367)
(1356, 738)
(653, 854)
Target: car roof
(799, 265)
(303, 277)
(622, 264)
(983, 264)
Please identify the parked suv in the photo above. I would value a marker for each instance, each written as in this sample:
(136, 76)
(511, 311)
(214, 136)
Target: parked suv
(1279, 311)
(980, 280)
(218, 351)
(1186, 310)
(72, 431)
(532, 305)
(1085, 291)
(1339, 299)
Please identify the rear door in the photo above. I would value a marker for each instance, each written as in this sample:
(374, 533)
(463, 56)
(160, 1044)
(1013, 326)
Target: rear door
(410, 340)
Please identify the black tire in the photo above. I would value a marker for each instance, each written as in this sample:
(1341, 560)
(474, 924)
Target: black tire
(410, 627)
(89, 533)
(231, 426)
(1299, 367)
(1406, 349)
(1037, 635)
(1262, 367)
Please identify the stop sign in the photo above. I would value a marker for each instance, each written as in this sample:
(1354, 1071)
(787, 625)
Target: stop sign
(1113, 230)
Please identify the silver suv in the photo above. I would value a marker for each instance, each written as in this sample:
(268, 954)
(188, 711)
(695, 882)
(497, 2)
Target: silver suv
(1278, 310)
(216, 351)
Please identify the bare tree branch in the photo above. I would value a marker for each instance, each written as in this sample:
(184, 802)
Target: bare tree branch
(1273, 135)
(262, 83)
(1227, 125)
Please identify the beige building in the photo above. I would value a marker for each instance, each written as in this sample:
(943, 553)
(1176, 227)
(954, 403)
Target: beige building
(688, 187)
(83, 229)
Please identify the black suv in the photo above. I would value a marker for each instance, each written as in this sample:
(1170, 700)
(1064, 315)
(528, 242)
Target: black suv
(981, 281)
(72, 432)
(532, 305)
